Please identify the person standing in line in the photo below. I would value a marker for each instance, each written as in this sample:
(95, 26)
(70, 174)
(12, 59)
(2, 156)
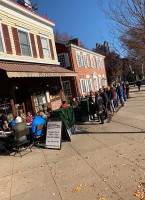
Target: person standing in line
(92, 105)
(112, 98)
(120, 93)
(99, 107)
(127, 90)
(105, 102)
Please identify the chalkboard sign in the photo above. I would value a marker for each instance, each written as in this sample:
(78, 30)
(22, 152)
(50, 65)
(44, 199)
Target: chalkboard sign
(54, 134)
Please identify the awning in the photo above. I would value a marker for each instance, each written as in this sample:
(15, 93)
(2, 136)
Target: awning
(18, 70)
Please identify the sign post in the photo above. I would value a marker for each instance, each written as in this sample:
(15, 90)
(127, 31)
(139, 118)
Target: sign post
(54, 135)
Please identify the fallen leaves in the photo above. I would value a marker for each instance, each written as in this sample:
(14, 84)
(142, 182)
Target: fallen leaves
(140, 193)
(78, 189)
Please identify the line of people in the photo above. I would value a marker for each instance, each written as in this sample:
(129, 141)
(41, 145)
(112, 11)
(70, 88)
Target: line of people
(104, 103)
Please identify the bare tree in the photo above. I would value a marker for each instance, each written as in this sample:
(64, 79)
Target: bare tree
(129, 18)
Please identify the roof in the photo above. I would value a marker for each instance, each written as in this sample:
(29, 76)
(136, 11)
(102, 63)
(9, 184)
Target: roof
(18, 69)
(30, 11)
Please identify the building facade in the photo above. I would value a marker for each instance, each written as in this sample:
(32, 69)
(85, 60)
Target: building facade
(30, 76)
(89, 66)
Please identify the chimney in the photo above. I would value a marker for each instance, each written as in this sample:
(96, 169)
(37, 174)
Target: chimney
(75, 41)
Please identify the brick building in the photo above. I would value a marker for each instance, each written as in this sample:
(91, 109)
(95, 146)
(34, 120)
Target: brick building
(30, 75)
(89, 66)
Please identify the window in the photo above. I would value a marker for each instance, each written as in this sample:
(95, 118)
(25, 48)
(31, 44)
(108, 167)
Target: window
(103, 82)
(1, 42)
(92, 62)
(79, 59)
(82, 61)
(63, 58)
(96, 83)
(45, 47)
(24, 43)
(89, 85)
(101, 63)
(100, 82)
(66, 88)
(83, 86)
(98, 63)
(86, 60)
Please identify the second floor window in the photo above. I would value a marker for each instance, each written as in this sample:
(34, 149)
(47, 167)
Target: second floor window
(63, 58)
(24, 43)
(45, 47)
(1, 43)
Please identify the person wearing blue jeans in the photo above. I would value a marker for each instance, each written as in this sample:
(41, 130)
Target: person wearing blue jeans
(120, 93)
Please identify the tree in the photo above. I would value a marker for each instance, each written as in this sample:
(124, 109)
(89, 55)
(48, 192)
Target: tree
(66, 37)
(129, 17)
(113, 63)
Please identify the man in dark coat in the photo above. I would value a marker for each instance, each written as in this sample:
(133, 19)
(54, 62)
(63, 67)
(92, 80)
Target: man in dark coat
(92, 105)
(105, 102)
(120, 93)
(99, 107)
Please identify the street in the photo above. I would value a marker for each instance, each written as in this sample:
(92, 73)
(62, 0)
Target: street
(101, 162)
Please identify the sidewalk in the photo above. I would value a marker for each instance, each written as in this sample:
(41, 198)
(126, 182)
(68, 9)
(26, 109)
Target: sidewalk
(101, 162)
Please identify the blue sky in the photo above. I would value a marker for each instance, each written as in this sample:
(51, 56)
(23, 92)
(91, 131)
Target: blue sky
(80, 18)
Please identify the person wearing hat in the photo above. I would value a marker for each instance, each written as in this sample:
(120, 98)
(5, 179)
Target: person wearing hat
(20, 126)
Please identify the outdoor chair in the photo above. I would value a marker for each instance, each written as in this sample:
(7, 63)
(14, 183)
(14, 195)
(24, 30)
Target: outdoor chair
(18, 145)
(39, 138)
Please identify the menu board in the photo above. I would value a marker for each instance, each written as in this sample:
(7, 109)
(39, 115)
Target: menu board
(53, 136)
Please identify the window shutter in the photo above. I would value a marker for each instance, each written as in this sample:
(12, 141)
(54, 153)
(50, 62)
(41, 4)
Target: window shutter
(16, 41)
(7, 39)
(33, 45)
(40, 46)
(51, 49)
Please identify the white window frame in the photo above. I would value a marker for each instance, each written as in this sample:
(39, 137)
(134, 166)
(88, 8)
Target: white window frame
(69, 88)
(78, 59)
(28, 32)
(3, 42)
(89, 84)
(86, 60)
(96, 85)
(84, 90)
(92, 62)
(98, 63)
(100, 83)
(47, 38)
(102, 65)
(66, 59)
(103, 79)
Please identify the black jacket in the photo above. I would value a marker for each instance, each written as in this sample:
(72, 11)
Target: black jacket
(105, 98)
(99, 103)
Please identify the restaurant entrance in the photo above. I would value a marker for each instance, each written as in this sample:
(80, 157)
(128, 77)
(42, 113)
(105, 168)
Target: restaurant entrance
(22, 99)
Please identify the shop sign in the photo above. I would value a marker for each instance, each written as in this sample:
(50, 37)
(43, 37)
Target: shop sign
(54, 135)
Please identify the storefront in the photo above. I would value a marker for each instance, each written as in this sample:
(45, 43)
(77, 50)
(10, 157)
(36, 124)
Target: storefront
(30, 87)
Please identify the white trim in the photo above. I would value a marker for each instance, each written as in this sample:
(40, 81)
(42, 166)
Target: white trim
(82, 86)
(77, 48)
(27, 12)
(47, 38)
(4, 47)
(87, 76)
(10, 58)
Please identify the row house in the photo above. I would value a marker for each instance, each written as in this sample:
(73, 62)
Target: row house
(89, 66)
(30, 75)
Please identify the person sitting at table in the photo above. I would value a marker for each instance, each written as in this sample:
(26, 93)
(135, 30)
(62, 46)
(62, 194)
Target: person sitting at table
(29, 118)
(21, 114)
(64, 105)
(43, 115)
(20, 126)
(4, 122)
(37, 121)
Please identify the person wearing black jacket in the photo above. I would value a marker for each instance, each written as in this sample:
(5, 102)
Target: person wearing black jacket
(105, 102)
(92, 105)
(112, 98)
(99, 107)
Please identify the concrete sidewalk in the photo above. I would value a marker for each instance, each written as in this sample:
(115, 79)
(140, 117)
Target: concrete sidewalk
(101, 162)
